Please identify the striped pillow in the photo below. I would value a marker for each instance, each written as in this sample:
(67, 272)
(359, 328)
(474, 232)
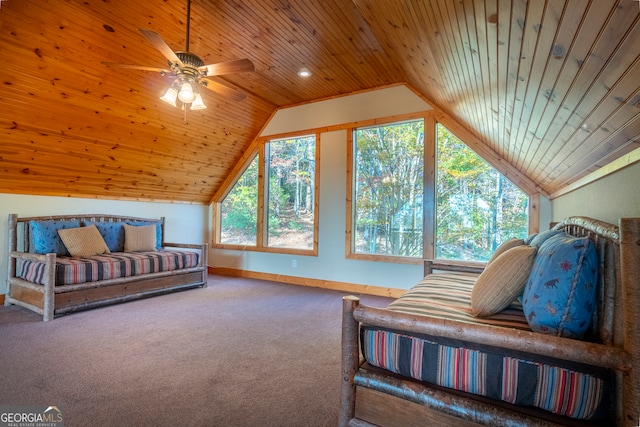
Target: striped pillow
(502, 281)
(505, 246)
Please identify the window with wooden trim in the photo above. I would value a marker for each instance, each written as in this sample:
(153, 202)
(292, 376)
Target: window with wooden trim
(291, 212)
(477, 208)
(273, 205)
(387, 189)
(239, 210)
(417, 191)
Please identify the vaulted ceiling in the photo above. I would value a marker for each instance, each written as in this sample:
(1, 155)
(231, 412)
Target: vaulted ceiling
(552, 87)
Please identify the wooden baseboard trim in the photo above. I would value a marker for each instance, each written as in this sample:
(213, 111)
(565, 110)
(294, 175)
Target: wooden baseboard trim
(350, 288)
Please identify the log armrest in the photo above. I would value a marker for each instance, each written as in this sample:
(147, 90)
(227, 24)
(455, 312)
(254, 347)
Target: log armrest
(430, 265)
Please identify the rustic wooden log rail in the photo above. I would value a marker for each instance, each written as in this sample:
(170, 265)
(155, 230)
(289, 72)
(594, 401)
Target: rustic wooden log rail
(50, 300)
(372, 396)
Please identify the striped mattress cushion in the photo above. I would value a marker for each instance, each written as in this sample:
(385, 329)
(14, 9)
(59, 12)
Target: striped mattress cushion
(448, 295)
(73, 271)
(567, 389)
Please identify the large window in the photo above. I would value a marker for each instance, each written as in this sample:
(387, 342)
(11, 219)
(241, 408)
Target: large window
(291, 214)
(477, 208)
(273, 204)
(239, 210)
(388, 185)
(415, 191)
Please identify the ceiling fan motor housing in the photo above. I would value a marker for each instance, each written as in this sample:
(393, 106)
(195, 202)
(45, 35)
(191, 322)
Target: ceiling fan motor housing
(191, 61)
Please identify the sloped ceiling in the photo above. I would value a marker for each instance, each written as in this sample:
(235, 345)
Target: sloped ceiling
(550, 86)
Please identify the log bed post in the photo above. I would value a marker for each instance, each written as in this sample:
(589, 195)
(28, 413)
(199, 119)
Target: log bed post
(630, 269)
(350, 360)
(49, 288)
(13, 245)
(204, 262)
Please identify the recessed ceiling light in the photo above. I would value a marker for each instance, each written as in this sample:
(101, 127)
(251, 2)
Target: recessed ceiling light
(304, 72)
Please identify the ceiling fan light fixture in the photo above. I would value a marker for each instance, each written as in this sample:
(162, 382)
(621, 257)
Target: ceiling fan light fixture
(170, 96)
(188, 70)
(186, 93)
(197, 103)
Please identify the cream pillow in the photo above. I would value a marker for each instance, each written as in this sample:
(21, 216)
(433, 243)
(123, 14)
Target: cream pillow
(505, 246)
(83, 242)
(502, 281)
(140, 238)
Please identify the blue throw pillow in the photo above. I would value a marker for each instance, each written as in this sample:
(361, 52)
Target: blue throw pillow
(44, 238)
(542, 237)
(530, 238)
(112, 233)
(560, 295)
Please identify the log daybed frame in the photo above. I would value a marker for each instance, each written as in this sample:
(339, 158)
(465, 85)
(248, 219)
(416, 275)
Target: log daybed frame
(50, 300)
(373, 396)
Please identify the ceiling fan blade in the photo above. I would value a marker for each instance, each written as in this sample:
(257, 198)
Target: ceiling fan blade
(224, 90)
(228, 67)
(159, 44)
(135, 67)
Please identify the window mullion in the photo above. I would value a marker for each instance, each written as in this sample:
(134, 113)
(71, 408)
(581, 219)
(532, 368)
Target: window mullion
(429, 188)
(262, 195)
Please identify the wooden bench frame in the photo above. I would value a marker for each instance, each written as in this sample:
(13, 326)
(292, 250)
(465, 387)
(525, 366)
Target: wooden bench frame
(371, 396)
(50, 300)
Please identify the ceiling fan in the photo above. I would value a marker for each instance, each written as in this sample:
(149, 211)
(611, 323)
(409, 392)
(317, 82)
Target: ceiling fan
(189, 72)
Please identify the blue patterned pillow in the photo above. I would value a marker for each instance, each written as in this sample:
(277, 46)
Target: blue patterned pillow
(113, 233)
(560, 295)
(542, 237)
(530, 238)
(44, 238)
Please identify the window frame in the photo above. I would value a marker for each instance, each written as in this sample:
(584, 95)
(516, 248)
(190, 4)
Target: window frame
(218, 206)
(431, 120)
(259, 149)
(266, 147)
(350, 252)
(435, 192)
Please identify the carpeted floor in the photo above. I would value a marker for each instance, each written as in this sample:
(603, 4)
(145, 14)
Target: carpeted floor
(241, 352)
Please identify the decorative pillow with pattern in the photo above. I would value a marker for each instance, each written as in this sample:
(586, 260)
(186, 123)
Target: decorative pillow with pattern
(44, 238)
(111, 232)
(560, 295)
(541, 237)
(530, 238)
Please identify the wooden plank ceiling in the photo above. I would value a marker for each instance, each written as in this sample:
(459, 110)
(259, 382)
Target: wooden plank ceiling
(552, 87)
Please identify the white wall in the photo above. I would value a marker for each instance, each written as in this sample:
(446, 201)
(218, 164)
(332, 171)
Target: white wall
(183, 223)
(346, 109)
(608, 199)
(546, 216)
